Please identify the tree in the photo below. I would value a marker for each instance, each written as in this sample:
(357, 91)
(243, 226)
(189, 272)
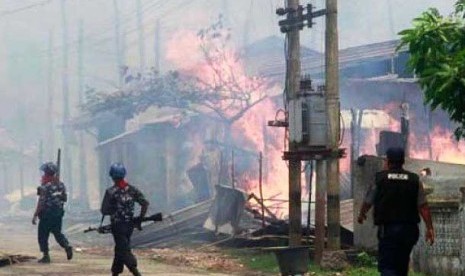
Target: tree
(436, 44)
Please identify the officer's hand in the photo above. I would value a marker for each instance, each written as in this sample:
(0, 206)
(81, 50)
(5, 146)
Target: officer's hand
(429, 236)
(361, 218)
(101, 230)
(34, 220)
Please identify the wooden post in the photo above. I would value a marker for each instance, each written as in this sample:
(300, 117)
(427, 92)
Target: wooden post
(232, 170)
(320, 198)
(333, 107)
(293, 88)
(260, 163)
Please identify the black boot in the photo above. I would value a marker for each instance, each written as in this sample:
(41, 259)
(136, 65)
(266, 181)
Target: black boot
(135, 271)
(69, 252)
(45, 259)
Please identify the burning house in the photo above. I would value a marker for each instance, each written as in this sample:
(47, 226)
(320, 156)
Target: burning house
(162, 146)
(375, 89)
(159, 154)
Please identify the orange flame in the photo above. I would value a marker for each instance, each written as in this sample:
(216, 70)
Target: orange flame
(250, 132)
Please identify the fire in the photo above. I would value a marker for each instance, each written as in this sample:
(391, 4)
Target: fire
(444, 147)
(222, 69)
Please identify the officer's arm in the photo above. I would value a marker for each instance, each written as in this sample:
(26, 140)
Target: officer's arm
(143, 209)
(363, 212)
(64, 195)
(367, 203)
(425, 214)
(38, 205)
(106, 204)
(144, 204)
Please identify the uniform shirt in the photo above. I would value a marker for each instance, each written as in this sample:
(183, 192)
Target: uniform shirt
(371, 193)
(119, 203)
(52, 197)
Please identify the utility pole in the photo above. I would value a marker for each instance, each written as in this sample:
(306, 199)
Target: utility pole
(140, 28)
(333, 111)
(298, 124)
(50, 129)
(293, 89)
(119, 63)
(157, 46)
(82, 145)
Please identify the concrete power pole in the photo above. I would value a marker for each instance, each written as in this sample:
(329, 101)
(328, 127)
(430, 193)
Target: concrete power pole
(333, 107)
(293, 88)
(140, 29)
(82, 145)
(66, 132)
(301, 146)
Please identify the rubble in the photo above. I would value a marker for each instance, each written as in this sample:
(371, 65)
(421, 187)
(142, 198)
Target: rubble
(6, 259)
(334, 260)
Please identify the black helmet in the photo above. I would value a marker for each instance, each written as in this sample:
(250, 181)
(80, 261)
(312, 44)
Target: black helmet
(117, 171)
(395, 155)
(49, 168)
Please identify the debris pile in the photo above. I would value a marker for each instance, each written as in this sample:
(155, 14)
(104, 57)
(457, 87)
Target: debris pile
(13, 259)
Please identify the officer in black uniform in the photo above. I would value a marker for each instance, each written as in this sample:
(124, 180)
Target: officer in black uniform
(118, 203)
(399, 200)
(49, 210)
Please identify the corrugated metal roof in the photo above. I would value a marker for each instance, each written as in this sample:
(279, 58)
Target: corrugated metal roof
(347, 57)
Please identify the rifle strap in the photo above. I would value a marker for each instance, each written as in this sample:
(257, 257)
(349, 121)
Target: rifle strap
(101, 221)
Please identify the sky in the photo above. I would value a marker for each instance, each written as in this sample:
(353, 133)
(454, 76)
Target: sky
(27, 26)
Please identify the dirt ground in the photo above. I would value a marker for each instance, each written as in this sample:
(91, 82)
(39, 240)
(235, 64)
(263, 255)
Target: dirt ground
(20, 237)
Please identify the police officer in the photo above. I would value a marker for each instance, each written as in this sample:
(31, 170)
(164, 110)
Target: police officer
(49, 210)
(118, 202)
(399, 201)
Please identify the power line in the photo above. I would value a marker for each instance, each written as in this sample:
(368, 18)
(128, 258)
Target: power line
(18, 10)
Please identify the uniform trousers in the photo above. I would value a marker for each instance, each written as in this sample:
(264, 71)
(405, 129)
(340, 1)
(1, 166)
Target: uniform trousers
(395, 244)
(122, 232)
(51, 224)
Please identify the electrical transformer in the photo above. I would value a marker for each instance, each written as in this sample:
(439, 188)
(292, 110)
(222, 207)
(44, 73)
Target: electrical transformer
(308, 121)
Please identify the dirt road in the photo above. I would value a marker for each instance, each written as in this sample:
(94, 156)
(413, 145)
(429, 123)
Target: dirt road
(19, 237)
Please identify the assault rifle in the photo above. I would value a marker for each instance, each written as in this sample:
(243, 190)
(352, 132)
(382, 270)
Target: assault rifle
(105, 229)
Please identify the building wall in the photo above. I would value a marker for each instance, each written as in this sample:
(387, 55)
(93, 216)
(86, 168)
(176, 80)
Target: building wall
(445, 178)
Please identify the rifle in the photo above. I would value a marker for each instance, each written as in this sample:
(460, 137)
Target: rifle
(105, 229)
(58, 164)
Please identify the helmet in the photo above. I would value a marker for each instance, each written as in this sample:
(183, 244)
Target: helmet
(49, 168)
(395, 155)
(117, 170)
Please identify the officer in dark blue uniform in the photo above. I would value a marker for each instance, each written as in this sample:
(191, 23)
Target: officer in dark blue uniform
(50, 211)
(399, 200)
(118, 203)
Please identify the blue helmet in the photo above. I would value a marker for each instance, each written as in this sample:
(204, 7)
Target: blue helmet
(49, 168)
(117, 171)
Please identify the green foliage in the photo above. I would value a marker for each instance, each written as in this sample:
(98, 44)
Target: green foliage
(436, 45)
(152, 89)
(366, 260)
(217, 85)
(266, 262)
